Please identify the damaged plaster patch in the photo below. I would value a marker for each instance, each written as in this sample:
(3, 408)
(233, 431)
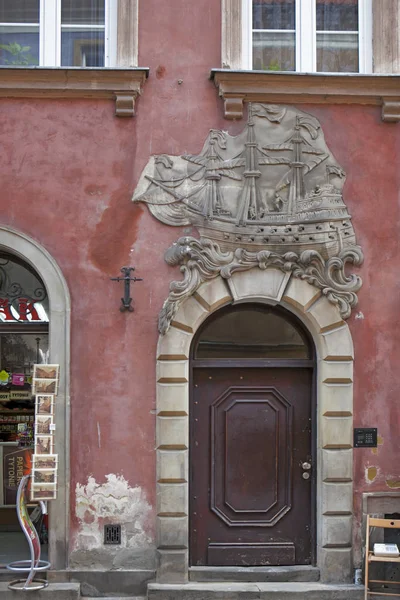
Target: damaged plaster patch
(393, 483)
(370, 474)
(112, 502)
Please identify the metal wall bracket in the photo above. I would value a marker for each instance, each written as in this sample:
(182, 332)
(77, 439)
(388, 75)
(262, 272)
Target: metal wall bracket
(126, 300)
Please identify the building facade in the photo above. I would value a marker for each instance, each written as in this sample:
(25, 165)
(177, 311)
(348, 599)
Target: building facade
(215, 423)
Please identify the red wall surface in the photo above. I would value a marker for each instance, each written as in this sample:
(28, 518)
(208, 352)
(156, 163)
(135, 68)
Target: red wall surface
(68, 170)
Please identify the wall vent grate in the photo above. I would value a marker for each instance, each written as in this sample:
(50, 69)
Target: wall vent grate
(112, 534)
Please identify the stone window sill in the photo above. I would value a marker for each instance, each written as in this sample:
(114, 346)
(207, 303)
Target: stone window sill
(237, 87)
(119, 84)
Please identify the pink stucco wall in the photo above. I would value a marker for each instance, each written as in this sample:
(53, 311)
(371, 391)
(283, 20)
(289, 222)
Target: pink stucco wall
(68, 170)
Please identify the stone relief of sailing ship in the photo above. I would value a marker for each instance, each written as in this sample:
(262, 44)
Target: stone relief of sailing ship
(275, 188)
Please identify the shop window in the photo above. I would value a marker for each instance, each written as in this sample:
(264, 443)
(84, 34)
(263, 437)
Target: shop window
(307, 35)
(66, 33)
(24, 309)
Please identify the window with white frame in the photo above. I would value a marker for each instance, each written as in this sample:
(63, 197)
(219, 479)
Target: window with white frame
(308, 35)
(66, 33)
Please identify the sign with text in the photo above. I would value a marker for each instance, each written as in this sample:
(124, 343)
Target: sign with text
(16, 464)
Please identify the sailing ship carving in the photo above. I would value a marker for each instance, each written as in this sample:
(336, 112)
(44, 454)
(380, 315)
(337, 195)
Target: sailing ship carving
(276, 185)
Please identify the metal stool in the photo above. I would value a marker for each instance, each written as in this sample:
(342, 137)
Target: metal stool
(33, 565)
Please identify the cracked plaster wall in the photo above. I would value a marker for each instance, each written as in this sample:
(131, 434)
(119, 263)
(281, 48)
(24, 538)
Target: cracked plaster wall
(111, 502)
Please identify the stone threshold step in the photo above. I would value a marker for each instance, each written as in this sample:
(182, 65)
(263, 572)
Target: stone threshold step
(256, 574)
(254, 591)
(55, 591)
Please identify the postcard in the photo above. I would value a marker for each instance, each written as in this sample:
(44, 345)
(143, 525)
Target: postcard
(45, 405)
(45, 461)
(43, 425)
(46, 371)
(43, 491)
(44, 444)
(44, 476)
(44, 386)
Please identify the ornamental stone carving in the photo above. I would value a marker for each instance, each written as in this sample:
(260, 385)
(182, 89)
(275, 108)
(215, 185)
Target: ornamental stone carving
(270, 196)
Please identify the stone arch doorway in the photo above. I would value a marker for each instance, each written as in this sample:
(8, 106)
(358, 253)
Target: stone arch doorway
(334, 421)
(252, 459)
(33, 254)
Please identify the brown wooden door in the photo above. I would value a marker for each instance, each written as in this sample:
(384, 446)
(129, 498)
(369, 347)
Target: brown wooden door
(250, 435)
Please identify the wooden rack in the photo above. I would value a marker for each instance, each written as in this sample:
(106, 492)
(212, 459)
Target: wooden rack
(370, 558)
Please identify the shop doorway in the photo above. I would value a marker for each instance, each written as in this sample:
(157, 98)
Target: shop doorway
(24, 341)
(252, 440)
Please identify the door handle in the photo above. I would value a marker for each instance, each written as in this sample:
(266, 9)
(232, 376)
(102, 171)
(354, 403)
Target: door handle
(306, 466)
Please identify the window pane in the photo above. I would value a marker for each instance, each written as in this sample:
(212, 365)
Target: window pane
(82, 47)
(19, 11)
(88, 12)
(273, 14)
(337, 15)
(251, 333)
(274, 51)
(19, 46)
(337, 53)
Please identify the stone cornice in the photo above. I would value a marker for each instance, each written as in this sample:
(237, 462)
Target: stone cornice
(121, 85)
(237, 87)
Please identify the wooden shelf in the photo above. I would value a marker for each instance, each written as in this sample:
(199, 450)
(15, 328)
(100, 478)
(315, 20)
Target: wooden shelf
(373, 522)
(373, 558)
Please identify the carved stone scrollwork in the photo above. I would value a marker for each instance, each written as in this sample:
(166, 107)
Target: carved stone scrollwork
(202, 260)
(271, 196)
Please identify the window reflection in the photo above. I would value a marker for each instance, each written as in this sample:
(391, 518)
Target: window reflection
(274, 35)
(255, 332)
(337, 36)
(82, 33)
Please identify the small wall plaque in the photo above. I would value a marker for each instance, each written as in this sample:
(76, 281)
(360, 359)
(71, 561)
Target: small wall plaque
(365, 437)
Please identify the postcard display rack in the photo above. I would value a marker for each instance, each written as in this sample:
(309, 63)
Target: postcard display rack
(44, 461)
(43, 478)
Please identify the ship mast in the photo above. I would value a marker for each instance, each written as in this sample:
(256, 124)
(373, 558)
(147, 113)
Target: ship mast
(250, 198)
(296, 189)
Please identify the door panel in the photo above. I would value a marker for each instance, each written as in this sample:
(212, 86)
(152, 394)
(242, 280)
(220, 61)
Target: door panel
(250, 434)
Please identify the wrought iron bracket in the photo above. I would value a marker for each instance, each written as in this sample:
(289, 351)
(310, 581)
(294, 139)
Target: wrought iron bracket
(126, 300)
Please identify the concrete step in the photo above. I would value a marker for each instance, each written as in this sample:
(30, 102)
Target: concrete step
(55, 591)
(254, 591)
(256, 574)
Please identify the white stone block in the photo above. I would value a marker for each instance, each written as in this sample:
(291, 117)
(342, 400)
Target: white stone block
(258, 284)
(172, 397)
(332, 371)
(336, 531)
(173, 431)
(336, 432)
(213, 294)
(190, 315)
(174, 344)
(172, 532)
(337, 344)
(325, 315)
(300, 294)
(172, 465)
(172, 498)
(337, 498)
(336, 565)
(337, 465)
(172, 371)
(172, 566)
(336, 399)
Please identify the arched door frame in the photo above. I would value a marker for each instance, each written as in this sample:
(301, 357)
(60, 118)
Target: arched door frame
(41, 261)
(334, 358)
(213, 365)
